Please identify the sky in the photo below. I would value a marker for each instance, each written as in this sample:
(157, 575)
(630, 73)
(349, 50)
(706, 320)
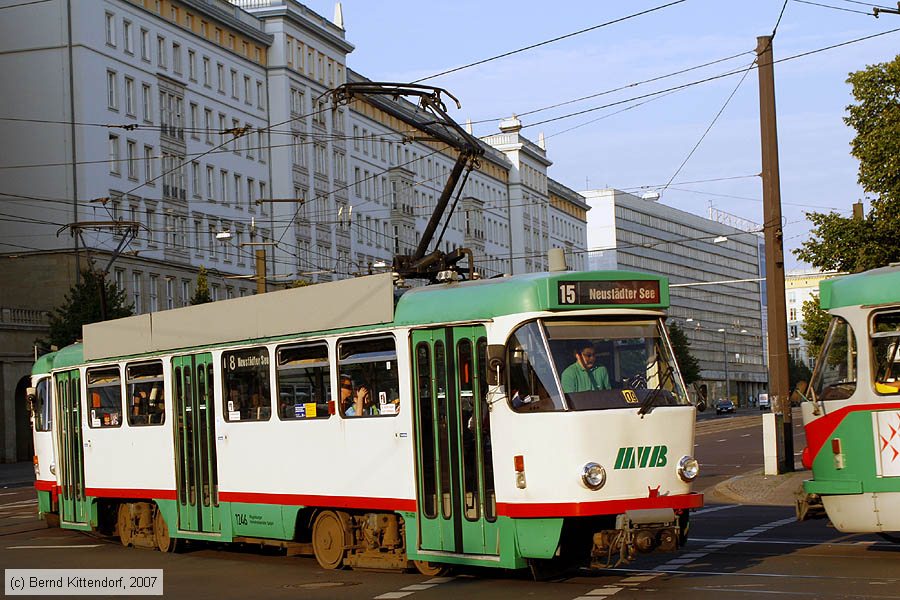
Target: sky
(642, 148)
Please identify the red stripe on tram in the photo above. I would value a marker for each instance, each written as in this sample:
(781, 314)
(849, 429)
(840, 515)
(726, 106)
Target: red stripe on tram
(603, 507)
(324, 501)
(130, 493)
(44, 486)
(818, 431)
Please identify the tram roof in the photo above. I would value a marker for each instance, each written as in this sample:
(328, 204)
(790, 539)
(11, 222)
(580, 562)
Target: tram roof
(43, 364)
(878, 286)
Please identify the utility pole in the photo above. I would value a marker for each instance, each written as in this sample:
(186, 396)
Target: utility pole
(878, 10)
(774, 237)
(261, 271)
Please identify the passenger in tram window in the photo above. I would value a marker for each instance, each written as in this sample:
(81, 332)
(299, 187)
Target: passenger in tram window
(356, 401)
(585, 374)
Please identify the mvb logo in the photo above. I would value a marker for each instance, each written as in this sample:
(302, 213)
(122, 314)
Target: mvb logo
(641, 457)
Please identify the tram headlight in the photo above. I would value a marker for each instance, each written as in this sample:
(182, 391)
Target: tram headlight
(593, 475)
(688, 468)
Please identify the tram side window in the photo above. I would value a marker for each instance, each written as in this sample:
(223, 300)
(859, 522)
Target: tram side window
(368, 378)
(835, 375)
(304, 387)
(531, 373)
(886, 352)
(146, 394)
(41, 407)
(246, 384)
(104, 391)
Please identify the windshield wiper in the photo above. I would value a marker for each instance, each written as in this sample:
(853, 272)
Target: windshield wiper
(647, 404)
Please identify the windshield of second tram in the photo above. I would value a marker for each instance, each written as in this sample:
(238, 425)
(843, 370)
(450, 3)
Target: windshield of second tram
(557, 365)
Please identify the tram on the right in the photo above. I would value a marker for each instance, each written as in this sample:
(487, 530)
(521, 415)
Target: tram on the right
(852, 410)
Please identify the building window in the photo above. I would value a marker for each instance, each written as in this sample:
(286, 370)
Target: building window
(176, 58)
(248, 91)
(260, 97)
(170, 293)
(210, 182)
(223, 178)
(126, 33)
(136, 292)
(234, 84)
(220, 71)
(208, 124)
(110, 29)
(131, 156)
(112, 100)
(195, 121)
(145, 45)
(146, 102)
(129, 96)
(195, 179)
(114, 154)
(206, 74)
(185, 292)
(154, 291)
(161, 51)
(192, 65)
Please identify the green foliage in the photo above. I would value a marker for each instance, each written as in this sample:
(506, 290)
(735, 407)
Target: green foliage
(687, 362)
(82, 306)
(815, 325)
(840, 243)
(201, 294)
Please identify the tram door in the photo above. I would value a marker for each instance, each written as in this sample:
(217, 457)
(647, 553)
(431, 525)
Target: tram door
(195, 444)
(73, 505)
(455, 476)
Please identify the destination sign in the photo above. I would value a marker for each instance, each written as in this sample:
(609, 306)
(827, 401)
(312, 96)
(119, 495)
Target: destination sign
(608, 292)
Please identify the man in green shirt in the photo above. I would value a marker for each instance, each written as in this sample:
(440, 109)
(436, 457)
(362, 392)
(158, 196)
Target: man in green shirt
(585, 374)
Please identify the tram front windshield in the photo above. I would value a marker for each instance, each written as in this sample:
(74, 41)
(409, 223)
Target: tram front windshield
(559, 365)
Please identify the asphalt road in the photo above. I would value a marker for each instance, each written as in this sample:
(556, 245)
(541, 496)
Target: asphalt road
(734, 551)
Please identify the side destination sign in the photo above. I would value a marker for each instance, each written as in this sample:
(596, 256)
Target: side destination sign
(608, 292)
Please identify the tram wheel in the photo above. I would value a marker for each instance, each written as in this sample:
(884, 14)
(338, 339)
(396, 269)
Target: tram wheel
(164, 541)
(328, 536)
(124, 525)
(430, 569)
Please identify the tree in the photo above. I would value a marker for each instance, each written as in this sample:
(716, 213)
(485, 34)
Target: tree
(81, 306)
(201, 294)
(687, 362)
(845, 244)
(797, 372)
(815, 325)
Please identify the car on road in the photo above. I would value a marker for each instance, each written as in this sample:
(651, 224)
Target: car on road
(764, 402)
(724, 406)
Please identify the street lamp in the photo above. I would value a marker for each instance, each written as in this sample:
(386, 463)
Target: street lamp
(725, 353)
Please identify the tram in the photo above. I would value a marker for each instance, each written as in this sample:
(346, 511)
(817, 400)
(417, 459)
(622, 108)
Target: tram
(378, 427)
(852, 413)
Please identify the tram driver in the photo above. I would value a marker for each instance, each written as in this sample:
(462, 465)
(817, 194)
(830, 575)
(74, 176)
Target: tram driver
(585, 374)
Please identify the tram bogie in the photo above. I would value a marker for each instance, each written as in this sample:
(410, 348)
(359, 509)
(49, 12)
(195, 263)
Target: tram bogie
(533, 421)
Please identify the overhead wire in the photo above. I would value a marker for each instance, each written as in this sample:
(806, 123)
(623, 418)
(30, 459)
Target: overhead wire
(550, 41)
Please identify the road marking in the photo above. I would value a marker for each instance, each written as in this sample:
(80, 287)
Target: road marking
(714, 509)
(721, 440)
(19, 503)
(746, 435)
(415, 587)
(675, 564)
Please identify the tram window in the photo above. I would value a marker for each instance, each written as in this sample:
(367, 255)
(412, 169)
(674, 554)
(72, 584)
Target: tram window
(368, 379)
(245, 382)
(470, 427)
(835, 374)
(426, 430)
(145, 393)
(487, 458)
(104, 389)
(886, 352)
(530, 372)
(304, 387)
(41, 407)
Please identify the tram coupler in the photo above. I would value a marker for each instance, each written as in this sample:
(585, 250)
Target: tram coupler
(643, 531)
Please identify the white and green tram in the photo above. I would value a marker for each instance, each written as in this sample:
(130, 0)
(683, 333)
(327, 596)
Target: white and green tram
(381, 428)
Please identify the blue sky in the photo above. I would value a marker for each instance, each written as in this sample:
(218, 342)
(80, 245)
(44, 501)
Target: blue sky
(642, 148)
